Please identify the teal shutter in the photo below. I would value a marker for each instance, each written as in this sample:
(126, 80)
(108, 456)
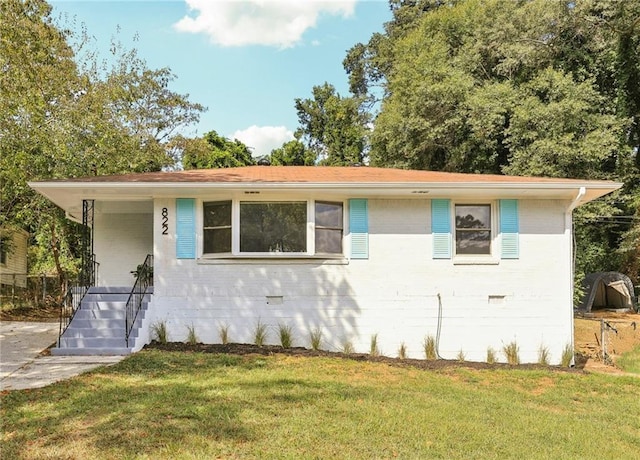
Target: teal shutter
(185, 228)
(509, 229)
(441, 228)
(359, 228)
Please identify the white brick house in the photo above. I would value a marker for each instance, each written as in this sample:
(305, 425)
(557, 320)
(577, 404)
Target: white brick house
(477, 261)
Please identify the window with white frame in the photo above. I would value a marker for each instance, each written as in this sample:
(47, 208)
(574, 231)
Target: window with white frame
(473, 233)
(272, 227)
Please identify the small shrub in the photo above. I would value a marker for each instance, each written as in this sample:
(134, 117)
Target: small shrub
(373, 348)
(567, 356)
(159, 331)
(461, 356)
(512, 353)
(543, 355)
(260, 334)
(315, 337)
(286, 335)
(223, 330)
(347, 347)
(491, 355)
(192, 338)
(429, 345)
(402, 351)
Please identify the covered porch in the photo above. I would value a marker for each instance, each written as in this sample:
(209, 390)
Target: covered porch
(122, 238)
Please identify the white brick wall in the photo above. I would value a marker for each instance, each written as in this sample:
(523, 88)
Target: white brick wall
(121, 243)
(393, 294)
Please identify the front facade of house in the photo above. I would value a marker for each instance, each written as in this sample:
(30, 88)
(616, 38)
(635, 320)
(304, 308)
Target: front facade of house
(477, 262)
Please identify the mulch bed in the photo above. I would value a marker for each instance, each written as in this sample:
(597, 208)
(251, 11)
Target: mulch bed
(267, 350)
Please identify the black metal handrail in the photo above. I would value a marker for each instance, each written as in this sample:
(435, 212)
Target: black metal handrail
(70, 305)
(72, 300)
(144, 280)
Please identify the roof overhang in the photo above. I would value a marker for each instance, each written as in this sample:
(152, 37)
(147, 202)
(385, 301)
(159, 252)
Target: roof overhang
(69, 195)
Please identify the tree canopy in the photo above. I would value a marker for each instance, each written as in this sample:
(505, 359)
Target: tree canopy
(292, 153)
(61, 119)
(333, 128)
(213, 151)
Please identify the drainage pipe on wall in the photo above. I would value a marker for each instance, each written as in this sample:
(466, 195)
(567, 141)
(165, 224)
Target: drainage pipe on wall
(439, 327)
(569, 223)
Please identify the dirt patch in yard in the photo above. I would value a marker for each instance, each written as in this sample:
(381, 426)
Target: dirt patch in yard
(621, 334)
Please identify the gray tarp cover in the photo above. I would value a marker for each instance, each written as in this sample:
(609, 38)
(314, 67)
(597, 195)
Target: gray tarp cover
(607, 290)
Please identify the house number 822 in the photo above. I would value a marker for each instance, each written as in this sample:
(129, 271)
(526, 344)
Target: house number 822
(165, 221)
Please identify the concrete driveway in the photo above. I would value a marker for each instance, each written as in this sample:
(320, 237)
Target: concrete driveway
(22, 366)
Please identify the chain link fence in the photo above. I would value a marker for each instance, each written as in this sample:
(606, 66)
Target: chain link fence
(25, 290)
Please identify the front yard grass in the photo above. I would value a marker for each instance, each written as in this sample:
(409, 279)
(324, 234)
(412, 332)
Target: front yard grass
(156, 405)
(630, 361)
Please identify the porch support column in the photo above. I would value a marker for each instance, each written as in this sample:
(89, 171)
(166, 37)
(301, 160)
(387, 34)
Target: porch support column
(87, 267)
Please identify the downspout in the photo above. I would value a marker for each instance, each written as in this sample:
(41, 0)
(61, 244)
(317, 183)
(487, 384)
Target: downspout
(576, 201)
(439, 329)
(569, 224)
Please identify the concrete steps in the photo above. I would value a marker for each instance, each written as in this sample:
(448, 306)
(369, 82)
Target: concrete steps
(98, 327)
(78, 333)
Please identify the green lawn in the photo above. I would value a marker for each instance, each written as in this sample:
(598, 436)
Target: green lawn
(630, 361)
(156, 405)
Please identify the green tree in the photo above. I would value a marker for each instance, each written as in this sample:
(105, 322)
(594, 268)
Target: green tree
(292, 153)
(561, 128)
(333, 127)
(213, 151)
(59, 120)
(368, 65)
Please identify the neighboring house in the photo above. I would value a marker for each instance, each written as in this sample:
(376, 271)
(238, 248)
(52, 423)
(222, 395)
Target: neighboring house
(476, 261)
(13, 257)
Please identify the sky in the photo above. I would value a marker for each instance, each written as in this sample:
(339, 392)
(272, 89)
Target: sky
(245, 60)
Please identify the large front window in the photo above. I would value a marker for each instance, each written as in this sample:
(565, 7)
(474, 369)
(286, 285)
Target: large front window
(273, 227)
(473, 229)
(298, 228)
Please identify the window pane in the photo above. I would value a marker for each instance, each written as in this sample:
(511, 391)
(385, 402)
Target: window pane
(217, 240)
(329, 214)
(473, 216)
(328, 241)
(473, 229)
(217, 214)
(473, 242)
(273, 227)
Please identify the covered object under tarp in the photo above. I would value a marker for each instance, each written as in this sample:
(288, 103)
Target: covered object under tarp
(607, 290)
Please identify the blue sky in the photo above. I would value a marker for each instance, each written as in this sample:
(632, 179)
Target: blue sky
(246, 60)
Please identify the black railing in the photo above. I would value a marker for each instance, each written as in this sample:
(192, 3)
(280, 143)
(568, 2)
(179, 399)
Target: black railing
(144, 280)
(70, 305)
(76, 290)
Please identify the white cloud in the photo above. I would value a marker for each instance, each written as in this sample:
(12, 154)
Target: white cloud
(279, 23)
(263, 139)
